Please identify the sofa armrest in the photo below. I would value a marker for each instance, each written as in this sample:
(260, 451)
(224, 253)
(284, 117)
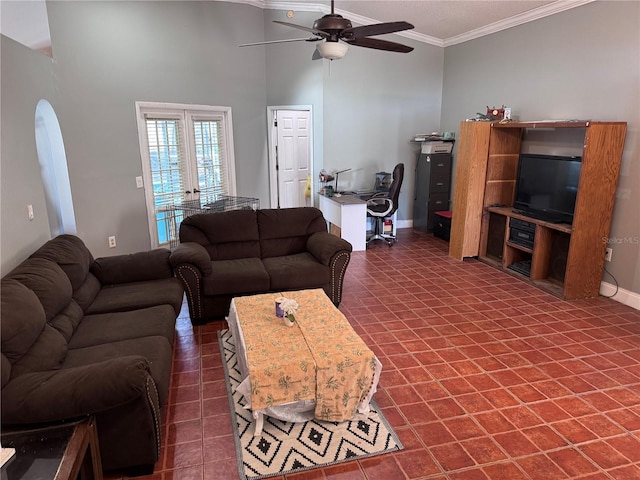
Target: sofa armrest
(194, 254)
(324, 246)
(134, 267)
(61, 394)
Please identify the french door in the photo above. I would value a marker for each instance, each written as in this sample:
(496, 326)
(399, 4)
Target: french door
(187, 162)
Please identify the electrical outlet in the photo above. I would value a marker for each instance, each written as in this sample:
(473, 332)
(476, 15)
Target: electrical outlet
(112, 241)
(30, 212)
(139, 183)
(607, 254)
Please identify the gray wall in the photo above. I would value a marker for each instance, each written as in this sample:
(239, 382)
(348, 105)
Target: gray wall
(292, 77)
(583, 63)
(27, 76)
(367, 106)
(371, 113)
(111, 54)
(365, 112)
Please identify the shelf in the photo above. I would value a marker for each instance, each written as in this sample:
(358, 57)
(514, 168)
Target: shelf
(566, 259)
(508, 212)
(544, 124)
(519, 247)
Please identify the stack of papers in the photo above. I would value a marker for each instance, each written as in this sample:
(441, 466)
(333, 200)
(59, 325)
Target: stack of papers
(427, 137)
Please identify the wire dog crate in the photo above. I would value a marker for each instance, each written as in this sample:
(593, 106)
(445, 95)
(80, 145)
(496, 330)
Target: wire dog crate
(174, 214)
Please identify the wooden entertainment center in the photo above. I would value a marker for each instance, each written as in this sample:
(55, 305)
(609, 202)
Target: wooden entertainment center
(565, 259)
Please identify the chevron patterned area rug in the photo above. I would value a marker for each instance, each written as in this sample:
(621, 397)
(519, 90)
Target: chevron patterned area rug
(286, 447)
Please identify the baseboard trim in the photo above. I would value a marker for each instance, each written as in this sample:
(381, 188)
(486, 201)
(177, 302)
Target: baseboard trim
(404, 224)
(626, 297)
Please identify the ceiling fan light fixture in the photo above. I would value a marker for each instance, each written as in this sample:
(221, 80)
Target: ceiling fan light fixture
(332, 50)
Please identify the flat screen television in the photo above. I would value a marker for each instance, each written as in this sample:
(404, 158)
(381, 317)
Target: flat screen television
(547, 186)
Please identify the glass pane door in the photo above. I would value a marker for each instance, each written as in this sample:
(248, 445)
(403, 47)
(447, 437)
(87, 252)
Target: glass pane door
(187, 163)
(208, 142)
(167, 173)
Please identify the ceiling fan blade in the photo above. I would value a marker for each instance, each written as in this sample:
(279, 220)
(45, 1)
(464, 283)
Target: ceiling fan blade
(312, 39)
(380, 45)
(301, 27)
(375, 29)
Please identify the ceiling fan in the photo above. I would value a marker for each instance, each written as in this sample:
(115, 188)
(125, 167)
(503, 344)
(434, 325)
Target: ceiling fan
(337, 33)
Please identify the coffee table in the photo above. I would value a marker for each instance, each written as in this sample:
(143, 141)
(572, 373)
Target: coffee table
(66, 451)
(318, 368)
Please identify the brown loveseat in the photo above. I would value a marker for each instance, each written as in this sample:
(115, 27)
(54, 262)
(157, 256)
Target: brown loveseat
(83, 336)
(243, 252)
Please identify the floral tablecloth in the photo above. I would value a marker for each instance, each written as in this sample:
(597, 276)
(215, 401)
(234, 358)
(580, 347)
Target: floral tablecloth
(320, 358)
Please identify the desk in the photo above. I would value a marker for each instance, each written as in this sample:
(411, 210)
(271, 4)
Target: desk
(349, 212)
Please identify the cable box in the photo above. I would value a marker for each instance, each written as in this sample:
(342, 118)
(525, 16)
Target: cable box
(523, 267)
(522, 233)
(522, 224)
(520, 237)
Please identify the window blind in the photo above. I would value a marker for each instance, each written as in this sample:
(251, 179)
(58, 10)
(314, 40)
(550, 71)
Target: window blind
(211, 166)
(166, 154)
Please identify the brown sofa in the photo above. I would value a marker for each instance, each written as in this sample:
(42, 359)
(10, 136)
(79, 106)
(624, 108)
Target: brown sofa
(243, 252)
(85, 336)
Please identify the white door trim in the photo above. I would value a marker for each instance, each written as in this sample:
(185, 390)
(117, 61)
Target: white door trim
(185, 113)
(272, 141)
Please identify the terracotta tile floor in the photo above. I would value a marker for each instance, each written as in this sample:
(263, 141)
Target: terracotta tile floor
(484, 377)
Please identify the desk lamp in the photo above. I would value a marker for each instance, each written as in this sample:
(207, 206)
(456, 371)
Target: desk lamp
(338, 173)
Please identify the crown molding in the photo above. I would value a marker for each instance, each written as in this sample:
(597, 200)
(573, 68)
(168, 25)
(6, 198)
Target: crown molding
(360, 20)
(526, 17)
(354, 17)
(537, 13)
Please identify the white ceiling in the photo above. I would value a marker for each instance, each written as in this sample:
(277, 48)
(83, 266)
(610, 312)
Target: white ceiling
(26, 22)
(437, 22)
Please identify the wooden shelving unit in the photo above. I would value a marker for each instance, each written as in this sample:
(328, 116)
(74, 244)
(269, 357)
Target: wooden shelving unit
(566, 260)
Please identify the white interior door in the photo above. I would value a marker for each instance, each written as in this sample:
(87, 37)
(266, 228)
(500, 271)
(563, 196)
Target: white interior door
(293, 164)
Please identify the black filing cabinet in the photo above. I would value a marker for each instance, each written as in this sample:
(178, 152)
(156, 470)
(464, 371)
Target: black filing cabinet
(432, 190)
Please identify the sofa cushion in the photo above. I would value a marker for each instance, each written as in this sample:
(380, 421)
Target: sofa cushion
(71, 254)
(87, 292)
(68, 320)
(295, 272)
(156, 350)
(113, 327)
(225, 235)
(133, 296)
(22, 319)
(55, 395)
(230, 277)
(285, 231)
(134, 267)
(47, 353)
(50, 284)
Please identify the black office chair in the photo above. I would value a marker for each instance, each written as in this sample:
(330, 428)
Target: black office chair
(383, 205)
